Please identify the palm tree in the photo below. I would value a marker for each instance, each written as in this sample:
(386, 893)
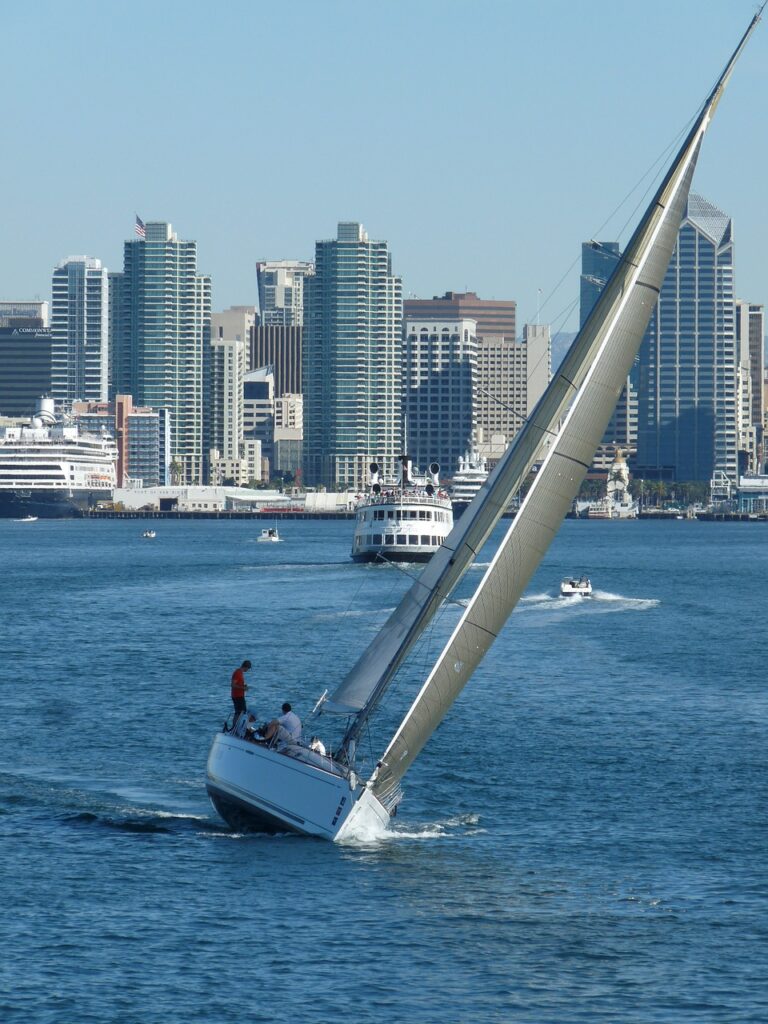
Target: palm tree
(176, 469)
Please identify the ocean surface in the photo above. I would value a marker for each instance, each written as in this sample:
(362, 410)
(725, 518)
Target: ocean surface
(583, 839)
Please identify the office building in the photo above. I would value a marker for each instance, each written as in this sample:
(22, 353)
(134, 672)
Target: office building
(687, 374)
(259, 412)
(508, 372)
(288, 435)
(598, 261)
(439, 391)
(25, 368)
(351, 363)
(161, 340)
(79, 332)
(24, 314)
(280, 348)
(228, 367)
(750, 342)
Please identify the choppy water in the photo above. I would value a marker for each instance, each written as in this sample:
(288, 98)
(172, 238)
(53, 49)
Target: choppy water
(584, 838)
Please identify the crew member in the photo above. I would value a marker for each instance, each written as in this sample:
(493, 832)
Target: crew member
(286, 728)
(239, 687)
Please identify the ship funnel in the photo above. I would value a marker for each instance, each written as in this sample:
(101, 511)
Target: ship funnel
(373, 469)
(44, 411)
(406, 470)
(434, 472)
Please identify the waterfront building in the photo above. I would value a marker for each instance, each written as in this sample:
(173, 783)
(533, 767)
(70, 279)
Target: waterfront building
(439, 391)
(79, 331)
(598, 261)
(25, 368)
(23, 314)
(161, 339)
(351, 363)
(687, 373)
(142, 436)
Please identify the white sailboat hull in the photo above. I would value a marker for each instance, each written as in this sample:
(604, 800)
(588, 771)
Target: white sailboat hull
(255, 788)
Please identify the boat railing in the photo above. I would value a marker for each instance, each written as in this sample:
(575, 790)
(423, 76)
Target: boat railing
(404, 498)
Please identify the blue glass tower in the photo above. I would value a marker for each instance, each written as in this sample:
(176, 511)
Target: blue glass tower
(687, 394)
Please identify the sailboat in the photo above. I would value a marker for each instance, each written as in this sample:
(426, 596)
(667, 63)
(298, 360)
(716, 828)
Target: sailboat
(291, 787)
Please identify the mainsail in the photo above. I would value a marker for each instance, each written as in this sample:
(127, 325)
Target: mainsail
(591, 377)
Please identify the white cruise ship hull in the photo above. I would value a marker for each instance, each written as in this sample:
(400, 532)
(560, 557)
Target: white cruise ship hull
(257, 789)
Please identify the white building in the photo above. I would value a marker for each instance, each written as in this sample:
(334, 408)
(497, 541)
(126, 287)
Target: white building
(80, 331)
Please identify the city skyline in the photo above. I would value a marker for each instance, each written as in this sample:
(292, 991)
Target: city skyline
(527, 174)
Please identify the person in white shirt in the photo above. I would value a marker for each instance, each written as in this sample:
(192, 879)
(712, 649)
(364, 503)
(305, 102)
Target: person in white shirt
(286, 728)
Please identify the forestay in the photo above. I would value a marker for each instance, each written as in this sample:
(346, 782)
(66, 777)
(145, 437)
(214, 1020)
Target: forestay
(595, 369)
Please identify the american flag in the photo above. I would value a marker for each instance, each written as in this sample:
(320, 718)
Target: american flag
(140, 229)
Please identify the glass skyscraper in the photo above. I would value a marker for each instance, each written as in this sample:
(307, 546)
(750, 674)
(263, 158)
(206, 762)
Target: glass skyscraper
(161, 339)
(79, 331)
(351, 361)
(687, 383)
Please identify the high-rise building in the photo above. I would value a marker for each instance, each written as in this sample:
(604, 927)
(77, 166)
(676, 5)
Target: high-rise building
(161, 339)
(24, 314)
(598, 261)
(504, 363)
(281, 292)
(351, 364)
(234, 324)
(750, 341)
(80, 331)
(228, 367)
(25, 368)
(288, 434)
(280, 348)
(687, 384)
(439, 391)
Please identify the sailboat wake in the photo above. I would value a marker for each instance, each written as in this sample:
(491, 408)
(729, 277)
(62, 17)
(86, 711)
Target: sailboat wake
(462, 825)
(601, 602)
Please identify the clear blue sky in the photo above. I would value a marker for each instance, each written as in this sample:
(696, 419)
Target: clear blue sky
(484, 140)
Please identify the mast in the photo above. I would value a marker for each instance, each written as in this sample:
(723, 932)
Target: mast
(590, 378)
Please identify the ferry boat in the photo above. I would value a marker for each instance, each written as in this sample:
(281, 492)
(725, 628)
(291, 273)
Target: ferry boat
(50, 469)
(402, 522)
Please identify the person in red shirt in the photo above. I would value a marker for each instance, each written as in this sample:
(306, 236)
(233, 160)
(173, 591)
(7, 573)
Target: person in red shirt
(239, 686)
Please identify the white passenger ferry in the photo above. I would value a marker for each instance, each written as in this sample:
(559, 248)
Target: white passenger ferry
(51, 469)
(402, 522)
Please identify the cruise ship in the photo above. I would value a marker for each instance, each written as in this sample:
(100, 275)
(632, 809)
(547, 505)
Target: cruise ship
(467, 481)
(50, 469)
(402, 522)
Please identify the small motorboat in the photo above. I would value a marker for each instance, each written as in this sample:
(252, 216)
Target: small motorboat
(26, 519)
(149, 534)
(269, 536)
(571, 587)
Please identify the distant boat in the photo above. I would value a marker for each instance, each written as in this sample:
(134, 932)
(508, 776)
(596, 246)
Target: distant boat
(26, 519)
(355, 789)
(149, 534)
(571, 587)
(269, 536)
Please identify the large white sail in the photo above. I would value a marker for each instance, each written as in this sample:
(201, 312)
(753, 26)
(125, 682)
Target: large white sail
(596, 369)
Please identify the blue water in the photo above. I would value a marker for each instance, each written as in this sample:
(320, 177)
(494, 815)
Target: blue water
(583, 839)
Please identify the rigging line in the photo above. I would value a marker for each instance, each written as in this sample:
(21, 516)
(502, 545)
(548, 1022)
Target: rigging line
(651, 170)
